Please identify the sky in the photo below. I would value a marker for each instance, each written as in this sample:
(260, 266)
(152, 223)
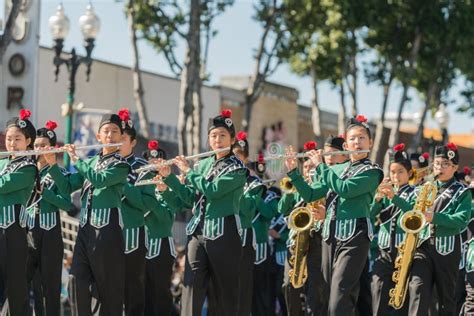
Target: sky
(230, 53)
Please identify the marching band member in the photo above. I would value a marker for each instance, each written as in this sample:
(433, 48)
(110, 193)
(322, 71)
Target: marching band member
(133, 221)
(420, 164)
(468, 307)
(389, 204)
(161, 252)
(347, 231)
(214, 247)
(267, 208)
(17, 180)
(436, 261)
(248, 205)
(287, 203)
(99, 256)
(47, 249)
(279, 233)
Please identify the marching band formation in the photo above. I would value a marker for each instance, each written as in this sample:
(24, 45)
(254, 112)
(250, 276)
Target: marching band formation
(338, 237)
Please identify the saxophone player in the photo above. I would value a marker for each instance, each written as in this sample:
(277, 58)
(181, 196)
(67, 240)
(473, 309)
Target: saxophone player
(349, 189)
(388, 205)
(294, 304)
(436, 261)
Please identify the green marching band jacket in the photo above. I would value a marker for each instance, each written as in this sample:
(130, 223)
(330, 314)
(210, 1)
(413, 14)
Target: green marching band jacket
(253, 191)
(470, 243)
(452, 211)
(267, 208)
(17, 179)
(390, 211)
(159, 220)
(132, 210)
(47, 201)
(214, 188)
(349, 189)
(102, 180)
(280, 244)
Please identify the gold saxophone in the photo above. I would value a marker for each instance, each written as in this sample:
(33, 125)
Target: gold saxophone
(301, 221)
(412, 223)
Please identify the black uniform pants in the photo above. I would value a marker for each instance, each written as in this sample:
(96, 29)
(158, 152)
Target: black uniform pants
(277, 273)
(13, 261)
(343, 265)
(135, 278)
(45, 258)
(316, 297)
(215, 261)
(246, 275)
(382, 283)
(430, 268)
(99, 259)
(158, 299)
(261, 287)
(468, 308)
(293, 297)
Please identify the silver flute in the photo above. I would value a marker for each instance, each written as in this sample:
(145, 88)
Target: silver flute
(330, 153)
(148, 182)
(55, 150)
(154, 166)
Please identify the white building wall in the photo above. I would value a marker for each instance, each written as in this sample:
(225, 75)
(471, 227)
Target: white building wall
(111, 87)
(28, 34)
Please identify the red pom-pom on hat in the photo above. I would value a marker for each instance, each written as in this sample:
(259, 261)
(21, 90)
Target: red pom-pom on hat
(341, 136)
(226, 113)
(51, 125)
(241, 135)
(153, 145)
(451, 146)
(124, 114)
(361, 119)
(426, 156)
(261, 159)
(466, 170)
(399, 147)
(24, 114)
(310, 145)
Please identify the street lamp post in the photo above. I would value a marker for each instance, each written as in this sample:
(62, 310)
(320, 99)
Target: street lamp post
(442, 117)
(59, 26)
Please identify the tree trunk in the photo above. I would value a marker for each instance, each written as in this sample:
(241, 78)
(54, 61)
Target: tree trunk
(341, 117)
(413, 56)
(6, 38)
(190, 106)
(377, 153)
(421, 126)
(353, 72)
(138, 91)
(315, 111)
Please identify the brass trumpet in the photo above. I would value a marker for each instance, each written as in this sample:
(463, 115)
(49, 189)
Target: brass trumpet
(286, 186)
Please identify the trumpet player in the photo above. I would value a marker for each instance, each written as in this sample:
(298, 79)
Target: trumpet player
(133, 220)
(390, 201)
(349, 189)
(161, 252)
(436, 261)
(45, 255)
(17, 180)
(99, 256)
